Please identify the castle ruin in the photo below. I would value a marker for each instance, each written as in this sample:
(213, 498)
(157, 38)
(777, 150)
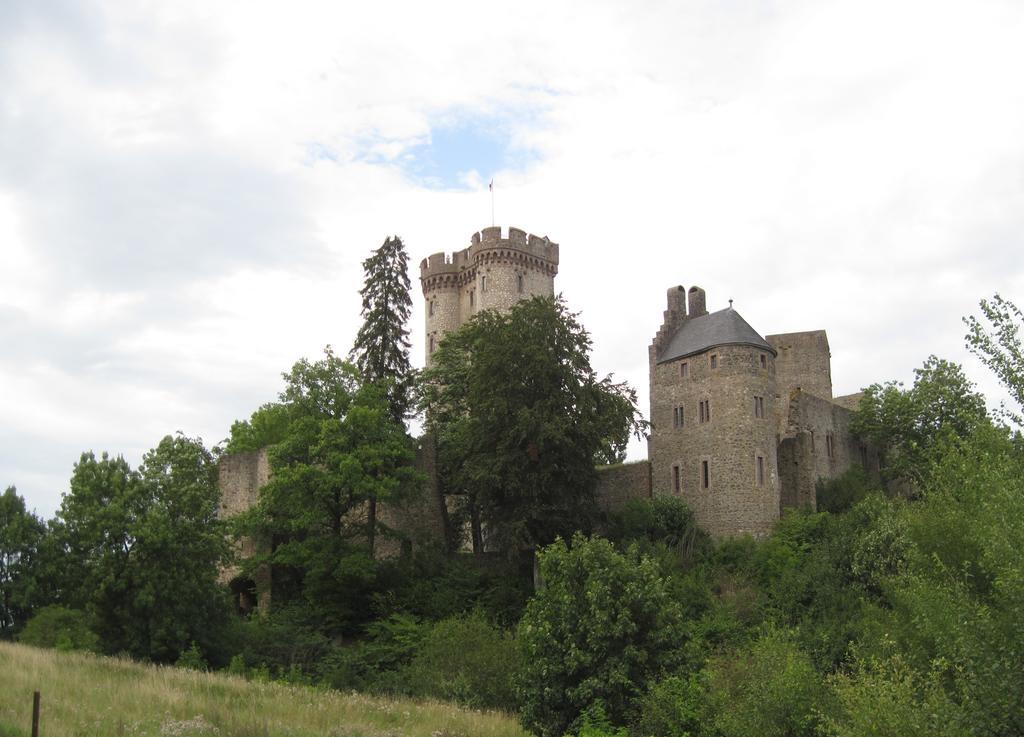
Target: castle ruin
(742, 425)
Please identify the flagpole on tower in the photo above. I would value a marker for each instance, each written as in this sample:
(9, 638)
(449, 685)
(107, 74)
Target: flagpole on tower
(491, 188)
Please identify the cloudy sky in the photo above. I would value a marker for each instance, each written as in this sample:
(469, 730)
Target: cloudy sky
(187, 189)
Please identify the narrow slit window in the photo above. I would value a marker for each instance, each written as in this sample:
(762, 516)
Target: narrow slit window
(759, 407)
(830, 445)
(764, 361)
(675, 478)
(677, 417)
(705, 475)
(431, 343)
(760, 470)
(431, 308)
(714, 360)
(705, 410)
(483, 283)
(684, 369)
(472, 297)
(519, 283)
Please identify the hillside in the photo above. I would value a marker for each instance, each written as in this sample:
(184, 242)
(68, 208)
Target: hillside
(87, 694)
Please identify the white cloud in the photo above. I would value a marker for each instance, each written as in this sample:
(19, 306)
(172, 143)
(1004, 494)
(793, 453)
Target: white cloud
(187, 191)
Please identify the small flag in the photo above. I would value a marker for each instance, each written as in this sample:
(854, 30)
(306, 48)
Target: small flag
(490, 186)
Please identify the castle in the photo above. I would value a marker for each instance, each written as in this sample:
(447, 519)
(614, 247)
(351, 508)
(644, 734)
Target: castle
(742, 425)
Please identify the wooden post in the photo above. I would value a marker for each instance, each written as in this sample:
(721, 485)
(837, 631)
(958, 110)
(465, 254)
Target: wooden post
(35, 714)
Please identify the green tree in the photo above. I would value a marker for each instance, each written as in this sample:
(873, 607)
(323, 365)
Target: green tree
(520, 416)
(381, 349)
(949, 638)
(265, 427)
(340, 447)
(21, 533)
(908, 425)
(998, 345)
(602, 627)
(147, 547)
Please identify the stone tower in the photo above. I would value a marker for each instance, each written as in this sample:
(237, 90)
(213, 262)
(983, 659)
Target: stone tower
(713, 417)
(492, 273)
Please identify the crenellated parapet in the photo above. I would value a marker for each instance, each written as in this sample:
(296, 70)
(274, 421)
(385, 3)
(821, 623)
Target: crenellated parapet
(496, 270)
(518, 249)
(540, 249)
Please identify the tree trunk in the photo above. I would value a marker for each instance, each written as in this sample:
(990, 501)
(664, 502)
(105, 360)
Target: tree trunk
(371, 523)
(474, 521)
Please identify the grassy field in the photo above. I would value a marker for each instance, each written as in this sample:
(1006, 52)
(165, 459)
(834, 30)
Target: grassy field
(86, 695)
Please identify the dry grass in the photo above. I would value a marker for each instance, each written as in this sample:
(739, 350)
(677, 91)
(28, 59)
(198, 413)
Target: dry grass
(108, 697)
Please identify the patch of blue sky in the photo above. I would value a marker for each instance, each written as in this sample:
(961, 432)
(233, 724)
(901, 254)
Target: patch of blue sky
(461, 156)
(461, 153)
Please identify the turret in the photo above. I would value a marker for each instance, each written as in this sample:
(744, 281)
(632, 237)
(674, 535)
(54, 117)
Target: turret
(713, 420)
(494, 272)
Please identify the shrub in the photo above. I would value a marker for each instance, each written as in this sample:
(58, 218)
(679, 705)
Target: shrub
(374, 664)
(285, 638)
(237, 666)
(465, 659)
(602, 626)
(841, 493)
(593, 722)
(192, 658)
(663, 519)
(672, 707)
(61, 628)
(770, 689)
(434, 585)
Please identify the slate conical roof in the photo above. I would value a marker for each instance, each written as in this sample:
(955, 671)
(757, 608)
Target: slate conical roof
(698, 334)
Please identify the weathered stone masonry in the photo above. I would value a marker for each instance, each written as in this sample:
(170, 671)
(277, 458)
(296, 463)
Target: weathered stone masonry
(742, 425)
(493, 273)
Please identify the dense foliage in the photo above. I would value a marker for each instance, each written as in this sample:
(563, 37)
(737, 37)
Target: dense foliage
(21, 534)
(909, 425)
(520, 417)
(891, 610)
(131, 557)
(338, 447)
(602, 625)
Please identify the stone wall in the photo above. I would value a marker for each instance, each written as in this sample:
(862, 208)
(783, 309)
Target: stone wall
(849, 401)
(734, 502)
(804, 362)
(239, 478)
(619, 484)
(819, 445)
(417, 522)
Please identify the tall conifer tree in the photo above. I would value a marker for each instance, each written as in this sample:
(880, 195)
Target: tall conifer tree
(381, 350)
